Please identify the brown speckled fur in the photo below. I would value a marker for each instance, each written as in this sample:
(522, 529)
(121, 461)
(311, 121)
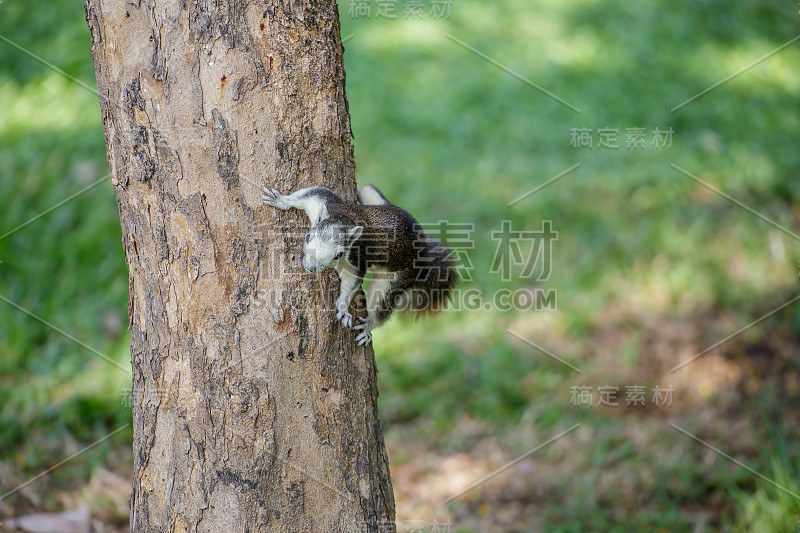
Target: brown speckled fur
(394, 240)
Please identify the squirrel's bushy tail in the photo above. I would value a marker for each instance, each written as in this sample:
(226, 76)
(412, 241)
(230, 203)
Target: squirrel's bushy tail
(437, 276)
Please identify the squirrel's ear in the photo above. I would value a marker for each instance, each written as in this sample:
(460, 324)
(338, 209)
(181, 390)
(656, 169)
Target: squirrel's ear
(354, 233)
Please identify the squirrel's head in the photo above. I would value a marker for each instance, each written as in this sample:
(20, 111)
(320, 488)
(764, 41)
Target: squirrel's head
(327, 243)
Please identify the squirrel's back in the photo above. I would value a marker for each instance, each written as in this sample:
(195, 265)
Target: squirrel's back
(407, 246)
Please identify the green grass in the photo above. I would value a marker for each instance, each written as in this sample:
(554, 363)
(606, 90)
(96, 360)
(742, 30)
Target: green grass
(451, 136)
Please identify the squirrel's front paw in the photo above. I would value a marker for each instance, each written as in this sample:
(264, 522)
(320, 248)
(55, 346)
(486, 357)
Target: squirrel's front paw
(365, 337)
(343, 314)
(345, 318)
(274, 198)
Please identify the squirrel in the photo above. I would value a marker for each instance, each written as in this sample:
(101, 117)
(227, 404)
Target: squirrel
(410, 271)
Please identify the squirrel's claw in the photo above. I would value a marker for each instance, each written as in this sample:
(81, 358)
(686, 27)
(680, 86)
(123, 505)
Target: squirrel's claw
(345, 318)
(272, 197)
(363, 338)
(343, 313)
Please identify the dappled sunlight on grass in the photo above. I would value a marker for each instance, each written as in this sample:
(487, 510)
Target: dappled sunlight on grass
(394, 37)
(650, 267)
(52, 104)
(713, 62)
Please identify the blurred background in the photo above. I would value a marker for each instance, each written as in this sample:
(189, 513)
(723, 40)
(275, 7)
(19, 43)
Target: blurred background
(677, 225)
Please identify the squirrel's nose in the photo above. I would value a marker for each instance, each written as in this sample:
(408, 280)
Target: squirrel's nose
(310, 268)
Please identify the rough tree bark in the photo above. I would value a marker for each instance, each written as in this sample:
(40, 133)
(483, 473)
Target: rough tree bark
(253, 410)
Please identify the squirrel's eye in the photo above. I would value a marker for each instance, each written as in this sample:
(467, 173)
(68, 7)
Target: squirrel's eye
(337, 256)
(308, 238)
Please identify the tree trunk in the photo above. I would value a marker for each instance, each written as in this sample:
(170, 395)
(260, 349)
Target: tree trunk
(253, 410)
